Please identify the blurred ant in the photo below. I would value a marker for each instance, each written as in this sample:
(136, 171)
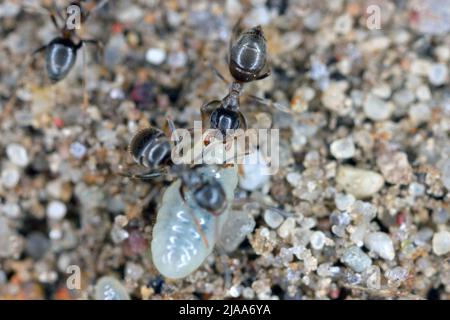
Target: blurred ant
(61, 52)
(151, 148)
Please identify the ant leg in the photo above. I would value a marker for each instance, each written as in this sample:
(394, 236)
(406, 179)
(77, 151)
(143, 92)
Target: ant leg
(142, 176)
(279, 106)
(81, 44)
(54, 13)
(85, 91)
(99, 46)
(199, 229)
(89, 12)
(264, 75)
(234, 34)
(218, 74)
(23, 69)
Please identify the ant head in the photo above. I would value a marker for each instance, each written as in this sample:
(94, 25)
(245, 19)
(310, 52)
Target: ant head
(248, 55)
(207, 193)
(150, 148)
(211, 197)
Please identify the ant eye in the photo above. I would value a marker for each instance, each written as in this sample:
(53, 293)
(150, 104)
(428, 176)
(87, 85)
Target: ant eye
(225, 119)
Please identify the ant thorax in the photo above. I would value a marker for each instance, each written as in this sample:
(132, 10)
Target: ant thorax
(184, 233)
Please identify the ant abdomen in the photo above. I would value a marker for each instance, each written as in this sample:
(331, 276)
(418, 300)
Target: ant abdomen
(150, 148)
(60, 57)
(248, 55)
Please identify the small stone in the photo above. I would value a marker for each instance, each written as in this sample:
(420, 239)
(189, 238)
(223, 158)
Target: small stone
(416, 189)
(359, 182)
(317, 240)
(395, 167)
(440, 216)
(10, 177)
(344, 201)
(108, 288)
(377, 109)
(333, 98)
(133, 271)
(356, 259)
(235, 229)
(343, 24)
(256, 172)
(397, 274)
(381, 244)
(342, 148)
(37, 245)
(438, 74)
(78, 150)
(373, 277)
(423, 93)
(56, 210)
(11, 210)
(130, 14)
(155, 56)
(445, 177)
(419, 113)
(287, 228)
(272, 218)
(177, 59)
(17, 154)
(312, 21)
(118, 234)
(441, 243)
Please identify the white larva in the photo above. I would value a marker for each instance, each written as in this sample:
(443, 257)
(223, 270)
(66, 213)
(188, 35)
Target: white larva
(178, 247)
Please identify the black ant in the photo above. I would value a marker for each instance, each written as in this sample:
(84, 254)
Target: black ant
(61, 52)
(151, 148)
(247, 62)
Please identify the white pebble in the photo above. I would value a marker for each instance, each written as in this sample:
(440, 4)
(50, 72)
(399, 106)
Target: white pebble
(56, 210)
(273, 219)
(381, 244)
(235, 229)
(441, 243)
(17, 154)
(356, 259)
(419, 113)
(437, 74)
(359, 182)
(342, 148)
(377, 109)
(344, 201)
(155, 56)
(317, 240)
(10, 177)
(255, 172)
(11, 210)
(287, 228)
(78, 150)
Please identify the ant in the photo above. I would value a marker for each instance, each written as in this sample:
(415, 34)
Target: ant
(151, 148)
(61, 52)
(247, 62)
